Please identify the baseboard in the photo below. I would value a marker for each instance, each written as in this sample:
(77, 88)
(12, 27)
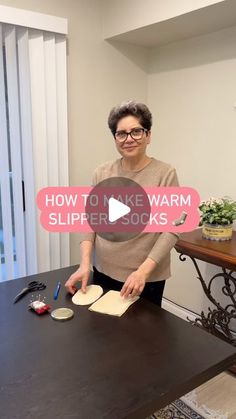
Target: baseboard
(181, 312)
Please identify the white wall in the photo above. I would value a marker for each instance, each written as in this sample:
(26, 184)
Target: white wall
(99, 77)
(192, 94)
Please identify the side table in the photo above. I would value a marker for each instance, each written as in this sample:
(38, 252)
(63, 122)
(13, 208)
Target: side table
(222, 254)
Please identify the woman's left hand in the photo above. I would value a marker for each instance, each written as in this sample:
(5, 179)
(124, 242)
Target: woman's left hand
(133, 285)
(136, 281)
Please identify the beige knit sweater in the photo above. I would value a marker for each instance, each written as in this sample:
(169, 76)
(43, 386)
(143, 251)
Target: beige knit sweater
(119, 259)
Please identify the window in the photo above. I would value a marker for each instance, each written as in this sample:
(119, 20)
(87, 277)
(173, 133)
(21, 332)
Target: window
(33, 139)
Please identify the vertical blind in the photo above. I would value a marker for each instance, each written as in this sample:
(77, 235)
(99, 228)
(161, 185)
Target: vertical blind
(33, 147)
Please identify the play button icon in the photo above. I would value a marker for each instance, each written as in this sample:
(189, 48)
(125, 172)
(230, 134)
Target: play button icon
(117, 210)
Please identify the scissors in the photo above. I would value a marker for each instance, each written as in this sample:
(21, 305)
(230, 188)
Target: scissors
(32, 286)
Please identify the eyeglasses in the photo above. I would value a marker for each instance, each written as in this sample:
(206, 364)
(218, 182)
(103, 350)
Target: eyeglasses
(135, 133)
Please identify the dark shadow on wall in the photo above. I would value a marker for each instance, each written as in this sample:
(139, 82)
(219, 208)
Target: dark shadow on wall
(201, 50)
(138, 55)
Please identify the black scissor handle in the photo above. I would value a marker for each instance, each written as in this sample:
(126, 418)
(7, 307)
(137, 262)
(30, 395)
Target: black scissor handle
(32, 286)
(41, 286)
(35, 285)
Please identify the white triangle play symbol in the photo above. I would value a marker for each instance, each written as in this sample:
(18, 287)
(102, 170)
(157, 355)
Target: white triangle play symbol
(117, 209)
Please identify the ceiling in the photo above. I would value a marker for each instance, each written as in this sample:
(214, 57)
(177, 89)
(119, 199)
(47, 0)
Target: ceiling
(198, 22)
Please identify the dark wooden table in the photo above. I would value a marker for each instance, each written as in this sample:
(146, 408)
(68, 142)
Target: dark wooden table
(98, 366)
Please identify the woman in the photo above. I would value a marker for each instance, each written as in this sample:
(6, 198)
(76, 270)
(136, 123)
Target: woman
(141, 265)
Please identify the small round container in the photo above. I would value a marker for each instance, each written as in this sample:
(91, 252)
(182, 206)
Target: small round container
(62, 314)
(217, 232)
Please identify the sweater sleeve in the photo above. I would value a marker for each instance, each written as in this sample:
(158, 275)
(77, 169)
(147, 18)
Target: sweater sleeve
(90, 236)
(166, 241)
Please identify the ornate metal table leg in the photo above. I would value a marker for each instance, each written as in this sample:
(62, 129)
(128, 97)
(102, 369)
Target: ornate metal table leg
(217, 321)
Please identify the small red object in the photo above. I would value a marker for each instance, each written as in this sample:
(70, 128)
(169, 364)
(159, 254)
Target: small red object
(39, 307)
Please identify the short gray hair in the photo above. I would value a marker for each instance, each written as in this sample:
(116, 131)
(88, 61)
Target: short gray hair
(138, 110)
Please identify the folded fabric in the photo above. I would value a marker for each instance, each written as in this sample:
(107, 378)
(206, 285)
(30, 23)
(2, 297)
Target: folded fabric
(113, 304)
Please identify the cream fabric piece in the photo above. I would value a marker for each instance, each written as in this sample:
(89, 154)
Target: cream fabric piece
(112, 303)
(92, 294)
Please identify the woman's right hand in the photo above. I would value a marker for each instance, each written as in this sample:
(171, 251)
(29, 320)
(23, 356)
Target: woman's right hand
(82, 274)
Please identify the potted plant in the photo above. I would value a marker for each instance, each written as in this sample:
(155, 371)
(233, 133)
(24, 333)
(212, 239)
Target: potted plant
(217, 216)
